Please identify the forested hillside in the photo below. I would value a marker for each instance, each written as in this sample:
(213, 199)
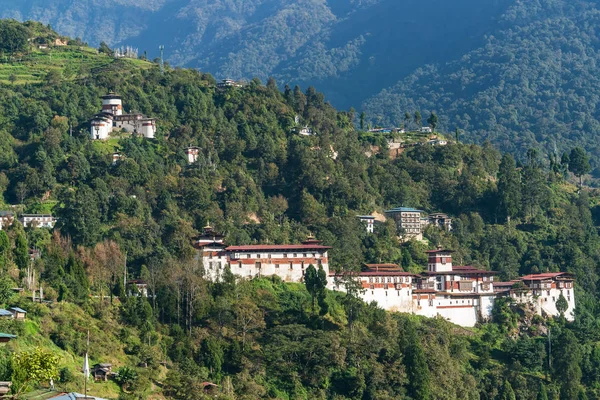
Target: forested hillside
(518, 73)
(531, 84)
(258, 181)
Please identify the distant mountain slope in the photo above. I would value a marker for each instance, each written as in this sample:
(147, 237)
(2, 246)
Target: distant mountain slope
(533, 83)
(349, 49)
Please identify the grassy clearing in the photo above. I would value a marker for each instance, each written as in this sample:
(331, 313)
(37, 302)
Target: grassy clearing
(69, 62)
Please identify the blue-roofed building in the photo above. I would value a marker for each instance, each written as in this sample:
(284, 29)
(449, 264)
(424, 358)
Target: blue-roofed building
(18, 313)
(5, 313)
(408, 222)
(5, 337)
(74, 396)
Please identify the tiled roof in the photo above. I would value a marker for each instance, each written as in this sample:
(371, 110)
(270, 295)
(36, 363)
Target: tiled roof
(266, 247)
(385, 273)
(541, 277)
(439, 251)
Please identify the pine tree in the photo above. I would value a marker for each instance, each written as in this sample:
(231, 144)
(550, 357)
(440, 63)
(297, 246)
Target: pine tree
(432, 121)
(509, 188)
(417, 370)
(418, 119)
(542, 393)
(21, 251)
(579, 163)
(507, 392)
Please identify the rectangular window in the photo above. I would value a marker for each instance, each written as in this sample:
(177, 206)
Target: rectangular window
(257, 264)
(247, 255)
(276, 265)
(240, 264)
(210, 265)
(291, 266)
(284, 255)
(295, 255)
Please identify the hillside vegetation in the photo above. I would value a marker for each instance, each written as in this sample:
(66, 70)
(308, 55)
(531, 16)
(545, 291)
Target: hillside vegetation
(258, 181)
(518, 73)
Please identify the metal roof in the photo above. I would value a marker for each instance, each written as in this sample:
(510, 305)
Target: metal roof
(5, 313)
(17, 309)
(403, 209)
(73, 395)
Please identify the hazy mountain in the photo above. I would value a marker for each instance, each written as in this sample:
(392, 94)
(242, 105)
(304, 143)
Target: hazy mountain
(350, 49)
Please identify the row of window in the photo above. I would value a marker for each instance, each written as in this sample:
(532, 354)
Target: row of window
(395, 279)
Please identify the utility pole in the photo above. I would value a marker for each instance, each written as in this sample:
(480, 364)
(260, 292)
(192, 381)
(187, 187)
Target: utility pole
(162, 59)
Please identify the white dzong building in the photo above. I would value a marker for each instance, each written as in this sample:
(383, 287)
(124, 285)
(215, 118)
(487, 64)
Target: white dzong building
(112, 117)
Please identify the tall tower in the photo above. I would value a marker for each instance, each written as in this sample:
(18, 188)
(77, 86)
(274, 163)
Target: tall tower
(112, 103)
(439, 260)
(162, 59)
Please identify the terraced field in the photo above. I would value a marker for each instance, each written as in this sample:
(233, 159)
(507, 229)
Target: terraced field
(66, 62)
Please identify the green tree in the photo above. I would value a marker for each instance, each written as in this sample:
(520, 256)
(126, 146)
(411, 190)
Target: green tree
(4, 249)
(13, 36)
(542, 393)
(507, 392)
(566, 364)
(417, 370)
(105, 49)
(432, 121)
(418, 118)
(32, 367)
(21, 250)
(362, 121)
(562, 304)
(509, 187)
(407, 118)
(6, 288)
(316, 282)
(579, 163)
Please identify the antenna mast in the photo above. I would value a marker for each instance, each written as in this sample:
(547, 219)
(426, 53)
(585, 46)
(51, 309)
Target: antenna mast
(162, 60)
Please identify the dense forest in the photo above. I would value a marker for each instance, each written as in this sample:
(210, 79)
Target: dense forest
(258, 181)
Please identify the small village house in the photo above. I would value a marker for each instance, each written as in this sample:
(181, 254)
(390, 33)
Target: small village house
(18, 313)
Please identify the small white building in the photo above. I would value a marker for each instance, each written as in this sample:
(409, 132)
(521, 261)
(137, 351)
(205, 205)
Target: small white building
(306, 131)
(441, 220)
(116, 157)
(6, 219)
(226, 83)
(192, 154)
(369, 222)
(426, 129)
(37, 220)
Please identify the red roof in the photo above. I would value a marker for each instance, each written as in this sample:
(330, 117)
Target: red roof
(266, 247)
(541, 277)
(462, 270)
(439, 251)
(386, 273)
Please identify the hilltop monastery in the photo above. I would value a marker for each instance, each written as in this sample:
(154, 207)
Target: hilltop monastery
(463, 295)
(112, 118)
